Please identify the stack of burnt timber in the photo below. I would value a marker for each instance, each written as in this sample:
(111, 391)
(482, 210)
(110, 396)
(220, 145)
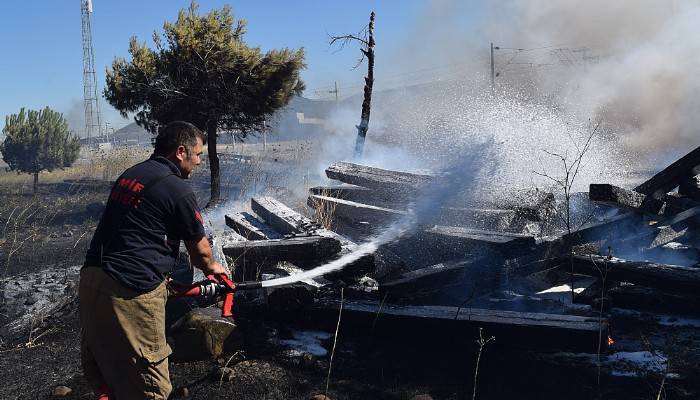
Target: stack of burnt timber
(371, 197)
(452, 259)
(655, 240)
(273, 232)
(425, 276)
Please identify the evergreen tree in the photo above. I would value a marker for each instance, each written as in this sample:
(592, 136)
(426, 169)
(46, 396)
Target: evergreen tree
(205, 74)
(38, 141)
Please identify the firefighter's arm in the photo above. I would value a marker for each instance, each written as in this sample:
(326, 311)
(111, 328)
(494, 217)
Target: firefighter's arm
(201, 257)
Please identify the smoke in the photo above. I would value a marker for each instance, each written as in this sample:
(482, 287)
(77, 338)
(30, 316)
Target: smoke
(455, 181)
(629, 63)
(74, 114)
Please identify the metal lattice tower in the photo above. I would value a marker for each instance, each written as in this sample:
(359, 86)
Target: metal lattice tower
(92, 109)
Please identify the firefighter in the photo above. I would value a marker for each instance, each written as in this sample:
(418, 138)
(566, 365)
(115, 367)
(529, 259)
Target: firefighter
(122, 290)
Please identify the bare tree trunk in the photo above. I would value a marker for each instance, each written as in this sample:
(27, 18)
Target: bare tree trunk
(215, 194)
(36, 182)
(369, 82)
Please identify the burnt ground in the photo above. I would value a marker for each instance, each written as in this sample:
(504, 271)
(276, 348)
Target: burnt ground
(365, 366)
(50, 232)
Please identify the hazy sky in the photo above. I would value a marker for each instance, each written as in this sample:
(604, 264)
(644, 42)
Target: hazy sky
(42, 54)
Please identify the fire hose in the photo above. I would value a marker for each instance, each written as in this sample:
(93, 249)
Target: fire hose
(214, 286)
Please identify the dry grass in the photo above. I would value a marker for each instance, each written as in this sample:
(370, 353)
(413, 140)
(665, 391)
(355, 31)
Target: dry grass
(94, 164)
(324, 212)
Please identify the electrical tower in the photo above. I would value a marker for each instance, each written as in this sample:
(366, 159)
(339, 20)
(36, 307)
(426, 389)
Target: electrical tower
(93, 127)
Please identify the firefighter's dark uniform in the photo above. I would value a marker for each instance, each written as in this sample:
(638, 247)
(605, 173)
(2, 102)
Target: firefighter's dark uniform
(122, 283)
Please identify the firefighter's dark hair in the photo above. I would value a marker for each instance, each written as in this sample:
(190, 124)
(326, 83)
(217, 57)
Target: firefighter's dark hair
(177, 133)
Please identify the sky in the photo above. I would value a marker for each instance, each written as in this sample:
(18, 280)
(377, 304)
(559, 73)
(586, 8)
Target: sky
(42, 47)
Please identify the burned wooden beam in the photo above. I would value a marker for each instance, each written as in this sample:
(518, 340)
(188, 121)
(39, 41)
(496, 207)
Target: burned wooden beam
(448, 283)
(386, 181)
(358, 194)
(672, 253)
(478, 218)
(684, 219)
(352, 211)
(617, 225)
(250, 227)
(647, 238)
(532, 204)
(691, 187)
(672, 176)
(285, 220)
(636, 297)
(672, 277)
(297, 250)
(451, 237)
(676, 203)
(517, 329)
(619, 197)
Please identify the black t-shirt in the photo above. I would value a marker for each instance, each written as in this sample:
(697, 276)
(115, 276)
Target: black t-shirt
(150, 209)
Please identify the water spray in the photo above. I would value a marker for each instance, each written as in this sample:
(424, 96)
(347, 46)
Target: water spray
(392, 233)
(222, 285)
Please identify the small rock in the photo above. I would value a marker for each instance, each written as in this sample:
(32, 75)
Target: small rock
(423, 396)
(201, 333)
(68, 233)
(320, 396)
(224, 374)
(61, 391)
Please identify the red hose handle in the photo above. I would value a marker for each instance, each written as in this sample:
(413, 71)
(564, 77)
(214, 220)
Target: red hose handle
(227, 307)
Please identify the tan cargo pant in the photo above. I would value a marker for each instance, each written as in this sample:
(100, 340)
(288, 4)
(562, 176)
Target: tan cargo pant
(123, 337)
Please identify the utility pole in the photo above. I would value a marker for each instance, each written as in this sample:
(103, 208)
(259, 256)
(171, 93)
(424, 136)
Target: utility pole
(336, 91)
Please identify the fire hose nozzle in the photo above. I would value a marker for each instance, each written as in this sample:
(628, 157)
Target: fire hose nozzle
(249, 285)
(215, 286)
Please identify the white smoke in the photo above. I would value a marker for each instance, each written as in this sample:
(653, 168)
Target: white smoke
(639, 75)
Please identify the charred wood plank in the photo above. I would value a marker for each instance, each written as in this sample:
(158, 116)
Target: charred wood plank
(517, 329)
(448, 283)
(672, 253)
(691, 187)
(476, 239)
(641, 298)
(672, 277)
(675, 203)
(250, 227)
(532, 204)
(617, 225)
(285, 220)
(685, 219)
(478, 218)
(386, 181)
(672, 176)
(295, 250)
(619, 197)
(360, 194)
(352, 211)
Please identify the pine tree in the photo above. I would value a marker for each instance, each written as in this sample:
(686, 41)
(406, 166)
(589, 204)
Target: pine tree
(38, 141)
(204, 73)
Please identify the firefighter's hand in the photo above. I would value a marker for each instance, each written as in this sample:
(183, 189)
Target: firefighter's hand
(215, 268)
